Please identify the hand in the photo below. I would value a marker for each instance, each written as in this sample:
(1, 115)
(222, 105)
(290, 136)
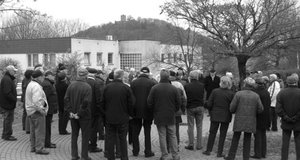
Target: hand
(76, 116)
(71, 115)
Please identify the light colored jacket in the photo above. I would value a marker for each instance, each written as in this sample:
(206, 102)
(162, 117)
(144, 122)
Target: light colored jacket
(274, 90)
(35, 99)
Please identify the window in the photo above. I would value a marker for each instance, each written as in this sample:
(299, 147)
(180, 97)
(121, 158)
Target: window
(180, 57)
(53, 59)
(110, 58)
(29, 60)
(132, 60)
(35, 59)
(99, 59)
(46, 60)
(175, 57)
(49, 59)
(87, 60)
(169, 57)
(162, 57)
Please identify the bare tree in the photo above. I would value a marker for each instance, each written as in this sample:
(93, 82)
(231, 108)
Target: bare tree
(242, 28)
(186, 53)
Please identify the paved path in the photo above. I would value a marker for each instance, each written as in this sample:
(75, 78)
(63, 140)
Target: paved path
(20, 149)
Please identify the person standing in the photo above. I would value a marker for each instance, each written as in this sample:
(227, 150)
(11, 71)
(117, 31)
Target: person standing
(25, 82)
(50, 91)
(117, 102)
(142, 115)
(37, 107)
(273, 90)
(211, 82)
(61, 86)
(195, 96)
(288, 108)
(8, 100)
(218, 106)
(262, 121)
(95, 109)
(245, 104)
(79, 96)
(164, 99)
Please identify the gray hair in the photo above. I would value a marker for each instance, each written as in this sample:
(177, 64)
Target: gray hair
(194, 75)
(119, 74)
(225, 82)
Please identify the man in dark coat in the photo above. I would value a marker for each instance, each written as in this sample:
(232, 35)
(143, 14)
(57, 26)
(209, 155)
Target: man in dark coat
(117, 102)
(95, 109)
(165, 101)
(49, 89)
(79, 93)
(288, 108)
(25, 82)
(142, 114)
(211, 82)
(195, 96)
(262, 121)
(63, 116)
(8, 100)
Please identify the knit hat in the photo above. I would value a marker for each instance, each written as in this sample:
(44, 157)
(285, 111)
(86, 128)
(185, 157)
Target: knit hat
(37, 73)
(49, 72)
(61, 76)
(92, 70)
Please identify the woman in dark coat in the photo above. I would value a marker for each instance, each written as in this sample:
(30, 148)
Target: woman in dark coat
(245, 104)
(262, 121)
(218, 106)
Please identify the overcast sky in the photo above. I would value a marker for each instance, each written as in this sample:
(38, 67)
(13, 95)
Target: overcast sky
(96, 12)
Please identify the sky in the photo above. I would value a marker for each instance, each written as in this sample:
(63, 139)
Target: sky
(97, 12)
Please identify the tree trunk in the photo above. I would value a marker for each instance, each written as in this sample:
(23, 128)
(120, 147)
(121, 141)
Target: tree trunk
(242, 60)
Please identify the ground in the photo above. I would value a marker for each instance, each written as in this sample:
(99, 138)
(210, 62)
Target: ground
(20, 149)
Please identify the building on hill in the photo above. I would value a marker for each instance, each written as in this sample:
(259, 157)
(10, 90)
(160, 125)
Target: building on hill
(100, 54)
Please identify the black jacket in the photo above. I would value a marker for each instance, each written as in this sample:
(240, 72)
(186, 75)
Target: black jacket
(141, 88)
(78, 92)
(288, 108)
(194, 93)
(218, 105)
(8, 92)
(25, 83)
(262, 119)
(96, 96)
(210, 84)
(61, 88)
(49, 89)
(165, 101)
(117, 102)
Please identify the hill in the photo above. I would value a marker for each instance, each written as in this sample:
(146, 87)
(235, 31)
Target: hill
(141, 29)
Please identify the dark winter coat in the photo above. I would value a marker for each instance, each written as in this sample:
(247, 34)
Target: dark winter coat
(50, 91)
(61, 88)
(141, 88)
(78, 92)
(210, 84)
(245, 104)
(96, 96)
(25, 83)
(288, 108)
(218, 105)
(195, 94)
(165, 101)
(117, 102)
(8, 92)
(263, 119)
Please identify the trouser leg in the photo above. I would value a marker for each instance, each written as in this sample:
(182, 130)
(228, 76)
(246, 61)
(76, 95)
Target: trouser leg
(212, 135)
(286, 136)
(246, 145)
(223, 133)
(234, 146)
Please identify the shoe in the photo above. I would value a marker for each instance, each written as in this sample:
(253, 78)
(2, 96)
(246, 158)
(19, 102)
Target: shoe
(89, 158)
(206, 153)
(77, 158)
(199, 148)
(65, 133)
(151, 154)
(189, 147)
(42, 152)
(118, 155)
(32, 150)
(94, 150)
(27, 132)
(50, 146)
(10, 138)
(255, 157)
(220, 155)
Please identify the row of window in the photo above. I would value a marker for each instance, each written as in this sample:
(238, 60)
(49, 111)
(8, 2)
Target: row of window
(87, 58)
(133, 60)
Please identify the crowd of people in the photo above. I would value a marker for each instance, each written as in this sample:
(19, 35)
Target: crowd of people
(115, 107)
